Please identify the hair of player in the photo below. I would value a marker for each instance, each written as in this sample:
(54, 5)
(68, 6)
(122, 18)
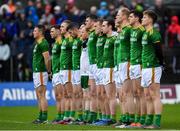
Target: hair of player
(41, 28)
(100, 20)
(137, 14)
(72, 26)
(125, 11)
(67, 22)
(110, 22)
(151, 14)
(57, 27)
(92, 17)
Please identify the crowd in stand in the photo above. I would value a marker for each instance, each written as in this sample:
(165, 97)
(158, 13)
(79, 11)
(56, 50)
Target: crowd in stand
(17, 20)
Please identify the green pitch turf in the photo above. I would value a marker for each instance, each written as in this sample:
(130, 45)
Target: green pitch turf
(20, 118)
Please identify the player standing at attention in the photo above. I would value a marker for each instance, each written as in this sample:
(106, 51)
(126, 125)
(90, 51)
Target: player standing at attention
(41, 70)
(84, 68)
(123, 60)
(91, 44)
(135, 68)
(65, 72)
(108, 65)
(117, 79)
(76, 76)
(56, 81)
(152, 60)
(100, 74)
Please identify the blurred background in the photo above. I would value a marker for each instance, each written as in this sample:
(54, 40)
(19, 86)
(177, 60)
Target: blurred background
(18, 17)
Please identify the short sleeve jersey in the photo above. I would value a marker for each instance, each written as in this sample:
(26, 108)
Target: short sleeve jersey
(108, 55)
(56, 51)
(76, 53)
(149, 40)
(99, 50)
(91, 44)
(38, 59)
(136, 46)
(66, 54)
(124, 47)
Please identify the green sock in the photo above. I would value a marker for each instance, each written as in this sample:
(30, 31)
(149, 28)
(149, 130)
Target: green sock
(142, 119)
(131, 118)
(137, 118)
(157, 120)
(103, 116)
(80, 115)
(149, 119)
(100, 115)
(92, 116)
(113, 117)
(62, 115)
(123, 118)
(127, 117)
(59, 116)
(66, 114)
(40, 115)
(84, 81)
(72, 114)
(86, 115)
(108, 116)
(44, 115)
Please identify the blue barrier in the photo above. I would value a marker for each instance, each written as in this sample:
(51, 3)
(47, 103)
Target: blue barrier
(22, 94)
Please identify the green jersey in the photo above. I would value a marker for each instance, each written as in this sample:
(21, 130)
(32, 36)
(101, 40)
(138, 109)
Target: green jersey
(38, 59)
(149, 39)
(116, 47)
(66, 54)
(99, 50)
(124, 47)
(76, 54)
(108, 55)
(56, 51)
(136, 46)
(91, 44)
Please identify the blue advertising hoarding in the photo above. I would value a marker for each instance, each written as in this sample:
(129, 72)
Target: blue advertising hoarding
(22, 94)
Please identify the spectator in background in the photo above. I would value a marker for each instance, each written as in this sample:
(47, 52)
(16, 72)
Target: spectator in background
(58, 15)
(93, 10)
(10, 26)
(4, 8)
(4, 61)
(39, 8)
(174, 32)
(119, 3)
(162, 20)
(48, 17)
(21, 21)
(32, 16)
(174, 40)
(30, 4)
(12, 7)
(103, 11)
(28, 32)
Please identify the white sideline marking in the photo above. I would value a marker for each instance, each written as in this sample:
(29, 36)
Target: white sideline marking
(9, 121)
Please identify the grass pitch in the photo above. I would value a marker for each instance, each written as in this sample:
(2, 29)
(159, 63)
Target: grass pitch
(20, 118)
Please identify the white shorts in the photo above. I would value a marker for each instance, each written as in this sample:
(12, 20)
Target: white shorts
(40, 78)
(100, 76)
(108, 76)
(135, 71)
(76, 77)
(124, 71)
(56, 79)
(93, 71)
(65, 76)
(151, 75)
(84, 62)
(117, 79)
